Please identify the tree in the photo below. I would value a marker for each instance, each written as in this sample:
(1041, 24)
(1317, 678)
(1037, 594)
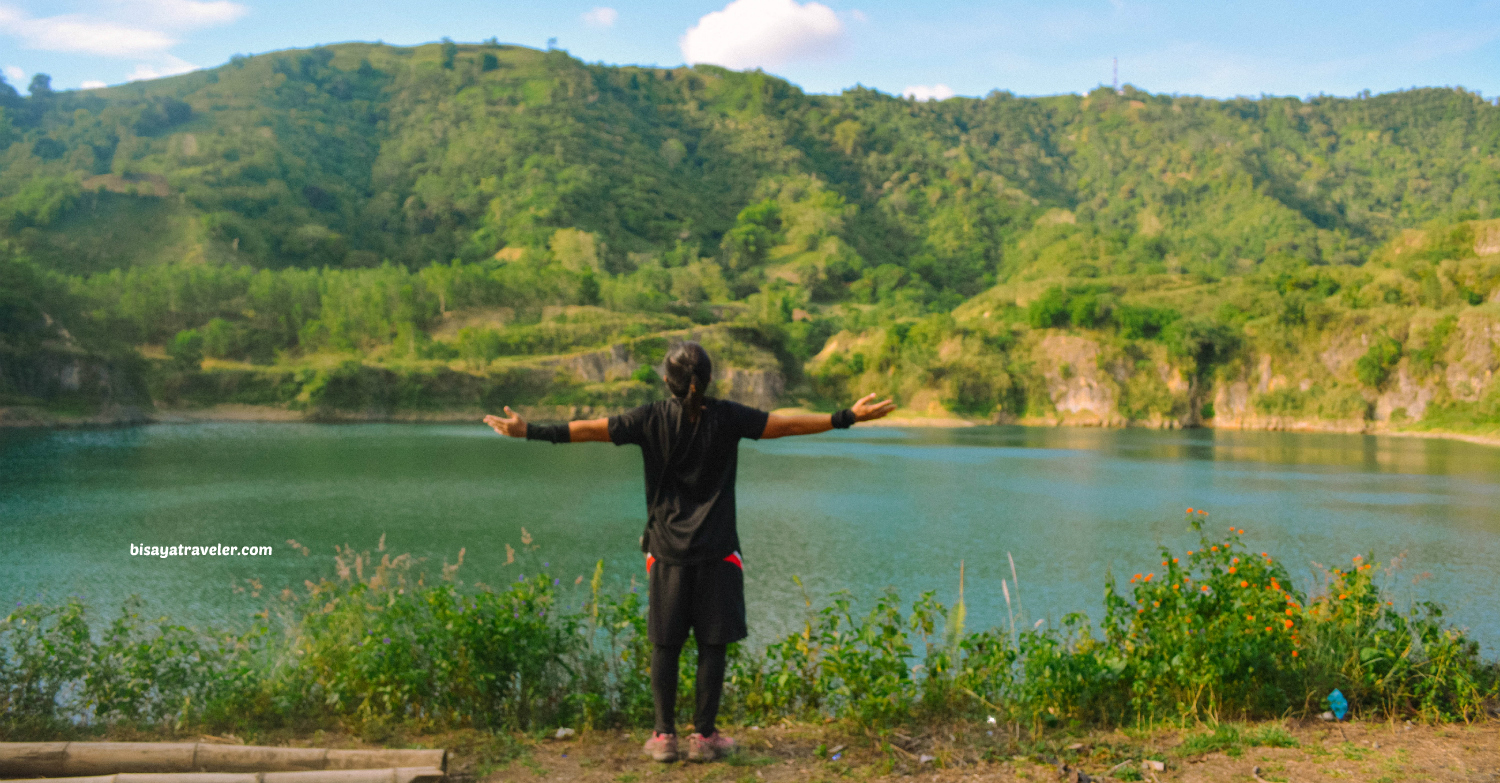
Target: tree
(186, 350)
(41, 86)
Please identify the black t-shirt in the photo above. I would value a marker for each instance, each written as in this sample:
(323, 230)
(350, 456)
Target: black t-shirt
(690, 471)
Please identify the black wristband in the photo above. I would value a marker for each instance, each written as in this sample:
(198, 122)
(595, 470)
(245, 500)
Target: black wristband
(844, 419)
(555, 433)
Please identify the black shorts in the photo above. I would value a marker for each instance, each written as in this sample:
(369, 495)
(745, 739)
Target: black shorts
(708, 597)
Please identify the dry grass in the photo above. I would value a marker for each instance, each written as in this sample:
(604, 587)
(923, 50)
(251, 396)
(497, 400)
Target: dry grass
(1378, 752)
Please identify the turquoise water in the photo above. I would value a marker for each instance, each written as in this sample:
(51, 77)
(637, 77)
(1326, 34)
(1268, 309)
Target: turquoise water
(858, 510)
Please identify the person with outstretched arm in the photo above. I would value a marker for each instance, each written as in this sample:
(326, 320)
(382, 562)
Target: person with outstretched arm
(690, 444)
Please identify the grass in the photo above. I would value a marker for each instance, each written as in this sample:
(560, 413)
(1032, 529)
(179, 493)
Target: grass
(379, 647)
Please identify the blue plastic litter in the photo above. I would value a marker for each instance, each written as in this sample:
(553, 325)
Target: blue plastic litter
(1338, 704)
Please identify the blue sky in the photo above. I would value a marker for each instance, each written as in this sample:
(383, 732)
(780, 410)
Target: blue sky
(1030, 47)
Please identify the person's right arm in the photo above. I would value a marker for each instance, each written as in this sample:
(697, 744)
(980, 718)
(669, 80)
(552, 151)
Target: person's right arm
(782, 425)
(578, 431)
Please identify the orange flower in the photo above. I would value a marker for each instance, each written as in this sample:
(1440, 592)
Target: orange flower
(1133, 578)
(1204, 588)
(1156, 604)
(1213, 548)
(1174, 587)
(1235, 560)
(1268, 629)
(1232, 569)
(1148, 577)
(1140, 611)
(1342, 596)
(1174, 561)
(1243, 583)
(1288, 623)
(1163, 562)
(1201, 511)
(1357, 558)
(1190, 511)
(1288, 613)
(1190, 553)
(1250, 617)
(1242, 531)
(1294, 653)
(1263, 554)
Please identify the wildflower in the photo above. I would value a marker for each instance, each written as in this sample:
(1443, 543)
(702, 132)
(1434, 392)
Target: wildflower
(1268, 629)
(1163, 562)
(1148, 577)
(1174, 587)
(1232, 569)
(1234, 560)
(1156, 604)
(1288, 623)
(1140, 611)
(1243, 583)
(1289, 613)
(1174, 561)
(1294, 653)
(1342, 596)
(1214, 548)
(1357, 558)
(1190, 511)
(1250, 618)
(1242, 531)
(1201, 512)
(1204, 588)
(1133, 578)
(386, 640)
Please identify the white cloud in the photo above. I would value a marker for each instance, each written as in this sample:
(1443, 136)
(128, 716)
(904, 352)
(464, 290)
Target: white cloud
(603, 16)
(762, 33)
(15, 76)
(926, 92)
(167, 66)
(124, 28)
(185, 13)
(78, 33)
(92, 84)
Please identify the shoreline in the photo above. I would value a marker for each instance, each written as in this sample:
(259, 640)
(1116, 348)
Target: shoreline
(35, 418)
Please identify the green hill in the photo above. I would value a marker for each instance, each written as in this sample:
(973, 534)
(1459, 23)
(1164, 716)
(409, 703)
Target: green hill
(440, 227)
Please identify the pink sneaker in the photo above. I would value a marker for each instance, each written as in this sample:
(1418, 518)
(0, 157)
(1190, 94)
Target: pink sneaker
(715, 746)
(662, 747)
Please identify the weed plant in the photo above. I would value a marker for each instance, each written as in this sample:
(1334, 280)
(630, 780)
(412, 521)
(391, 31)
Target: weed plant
(1218, 633)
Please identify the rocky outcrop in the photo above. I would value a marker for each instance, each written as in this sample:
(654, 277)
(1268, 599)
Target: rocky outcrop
(1080, 392)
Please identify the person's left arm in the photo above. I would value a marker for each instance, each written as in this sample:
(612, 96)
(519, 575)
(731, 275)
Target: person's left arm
(578, 431)
(782, 425)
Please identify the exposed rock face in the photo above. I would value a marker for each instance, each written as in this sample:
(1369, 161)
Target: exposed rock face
(760, 388)
(1080, 392)
(116, 389)
(614, 363)
(1406, 395)
(756, 388)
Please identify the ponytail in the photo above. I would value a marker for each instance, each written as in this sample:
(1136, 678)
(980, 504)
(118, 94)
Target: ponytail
(689, 371)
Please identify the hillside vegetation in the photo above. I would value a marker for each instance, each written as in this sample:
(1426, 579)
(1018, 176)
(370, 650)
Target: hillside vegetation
(371, 230)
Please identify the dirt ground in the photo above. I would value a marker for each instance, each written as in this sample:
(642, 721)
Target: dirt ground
(1376, 752)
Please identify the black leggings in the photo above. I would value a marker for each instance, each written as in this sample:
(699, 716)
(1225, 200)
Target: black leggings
(710, 686)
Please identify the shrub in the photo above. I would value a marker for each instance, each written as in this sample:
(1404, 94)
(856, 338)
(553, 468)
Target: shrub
(1376, 364)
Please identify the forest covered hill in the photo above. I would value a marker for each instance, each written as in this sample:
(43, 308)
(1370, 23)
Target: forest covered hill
(371, 230)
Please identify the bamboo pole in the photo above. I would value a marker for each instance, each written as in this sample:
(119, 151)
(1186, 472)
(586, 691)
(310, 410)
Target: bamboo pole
(391, 775)
(89, 759)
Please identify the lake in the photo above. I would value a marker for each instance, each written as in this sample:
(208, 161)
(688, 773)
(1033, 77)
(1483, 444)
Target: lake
(860, 510)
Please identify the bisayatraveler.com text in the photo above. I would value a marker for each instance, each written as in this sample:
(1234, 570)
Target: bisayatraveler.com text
(185, 550)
